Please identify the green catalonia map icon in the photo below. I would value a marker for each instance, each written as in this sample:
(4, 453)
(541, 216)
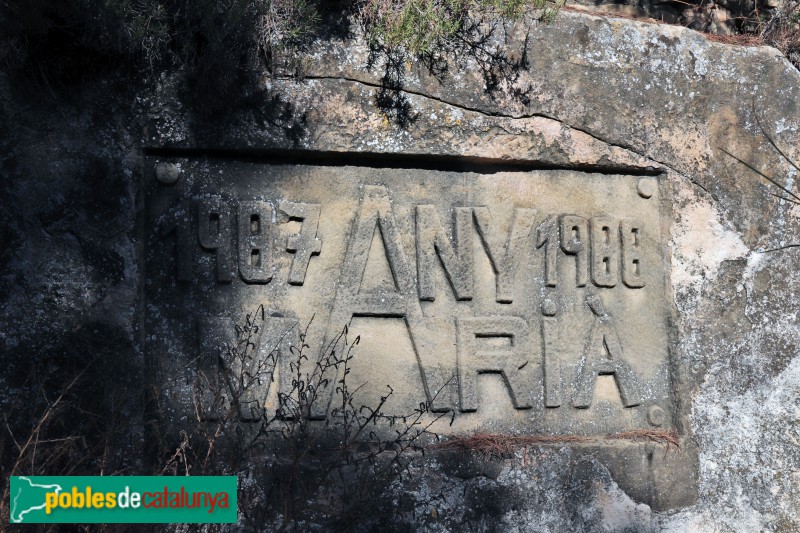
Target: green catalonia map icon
(28, 499)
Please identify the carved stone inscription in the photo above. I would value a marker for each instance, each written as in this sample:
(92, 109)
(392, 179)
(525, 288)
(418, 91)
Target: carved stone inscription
(522, 301)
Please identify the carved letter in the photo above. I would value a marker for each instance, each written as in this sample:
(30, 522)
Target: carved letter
(214, 233)
(632, 234)
(304, 244)
(547, 233)
(508, 362)
(552, 362)
(574, 233)
(255, 241)
(505, 257)
(603, 355)
(604, 251)
(458, 263)
(375, 212)
(277, 360)
(248, 367)
(216, 336)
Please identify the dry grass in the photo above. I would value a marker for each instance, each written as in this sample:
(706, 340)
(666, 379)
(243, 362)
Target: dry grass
(779, 29)
(670, 438)
(36, 454)
(744, 39)
(499, 445)
(611, 15)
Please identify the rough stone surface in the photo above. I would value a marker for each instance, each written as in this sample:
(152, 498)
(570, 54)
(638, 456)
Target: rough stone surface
(596, 94)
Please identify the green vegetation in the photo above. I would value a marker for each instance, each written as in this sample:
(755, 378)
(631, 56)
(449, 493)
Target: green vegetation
(420, 26)
(220, 40)
(64, 40)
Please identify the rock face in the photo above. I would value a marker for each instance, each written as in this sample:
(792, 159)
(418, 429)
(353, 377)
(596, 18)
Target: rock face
(559, 240)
